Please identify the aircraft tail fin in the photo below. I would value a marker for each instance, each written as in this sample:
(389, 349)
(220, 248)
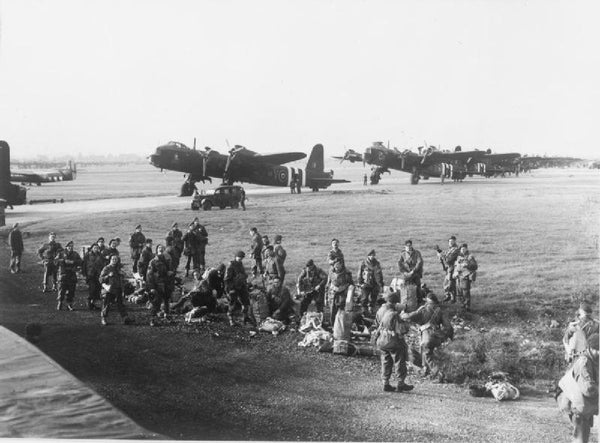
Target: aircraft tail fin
(316, 177)
(316, 162)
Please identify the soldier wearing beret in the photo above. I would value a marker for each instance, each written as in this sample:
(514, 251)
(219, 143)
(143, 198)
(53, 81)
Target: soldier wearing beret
(435, 328)
(159, 281)
(15, 241)
(370, 277)
(256, 247)
(69, 262)
(280, 256)
(177, 235)
(410, 266)
(465, 272)
(236, 287)
(448, 259)
(93, 263)
(311, 286)
(335, 254)
(389, 339)
(49, 252)
(136, 244)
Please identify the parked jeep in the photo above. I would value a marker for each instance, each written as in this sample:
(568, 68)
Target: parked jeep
(222, 197)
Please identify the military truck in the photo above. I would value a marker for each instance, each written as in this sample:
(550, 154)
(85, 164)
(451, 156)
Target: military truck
(223, 197)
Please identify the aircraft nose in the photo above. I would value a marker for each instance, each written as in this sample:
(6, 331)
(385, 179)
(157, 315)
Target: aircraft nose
(154, 158)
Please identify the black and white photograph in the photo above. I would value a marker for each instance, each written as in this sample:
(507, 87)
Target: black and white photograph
(285, 220)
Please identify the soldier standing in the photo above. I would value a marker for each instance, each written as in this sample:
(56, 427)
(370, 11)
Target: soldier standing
(15, 241)
(68, 263)
(448, 258)
(435, 329)
(271, 269)
(236, 287)
(112, 250)
(158, 280)
(410, 266)
(370, 277)
(202, 236)
(113, 282)
(177, 237)
(190, 242)
(136, 244)
(48, 252)
(256, 247)
(173, 253)
(266, 243)
(101, 247)
(338, 284)
(311, 284)
(145, 257)
(464, 273)
(390, 342)
(280, 256)
(93, 263)
(335, 254)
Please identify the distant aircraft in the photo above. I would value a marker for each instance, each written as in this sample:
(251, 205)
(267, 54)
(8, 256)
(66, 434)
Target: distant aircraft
(242, 165)
(68, 173)
(430, 162)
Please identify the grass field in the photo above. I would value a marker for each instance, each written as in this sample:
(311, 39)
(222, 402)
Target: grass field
(536, 241)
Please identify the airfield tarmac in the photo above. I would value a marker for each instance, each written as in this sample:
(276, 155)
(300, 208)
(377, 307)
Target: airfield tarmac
(535, 238)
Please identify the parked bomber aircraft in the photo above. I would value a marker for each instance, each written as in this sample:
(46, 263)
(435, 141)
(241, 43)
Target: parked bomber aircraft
(35, 176)
(242, 165)
(432, 162)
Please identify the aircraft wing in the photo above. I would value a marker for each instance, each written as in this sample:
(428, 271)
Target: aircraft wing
(278, 159)
(26, 177)
(438, 156)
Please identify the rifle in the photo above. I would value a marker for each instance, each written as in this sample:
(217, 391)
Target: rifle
(439, 251)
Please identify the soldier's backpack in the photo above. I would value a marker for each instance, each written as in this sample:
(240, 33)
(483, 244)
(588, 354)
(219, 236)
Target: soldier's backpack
(387, 338)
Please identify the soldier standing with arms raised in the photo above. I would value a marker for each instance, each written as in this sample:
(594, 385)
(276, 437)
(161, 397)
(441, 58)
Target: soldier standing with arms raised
(48, 252)
(113, 282)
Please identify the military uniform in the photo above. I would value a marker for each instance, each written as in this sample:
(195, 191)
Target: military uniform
(271, 268)
(177, 235)
(281, 305)
(390, 342)
(113, 282)
(109, 252)
(435, 328)
(159, 284)
(334, 256)
(410, 266)
(15, 241)
(338, 283)
(68, 263)
(49, 253)
(236, 288)
(256, 247)
(370, 277)
(587, 326)
(145, 257)
(214, 277)
(449, 257)
(280, 256)
(465, 273)
(137, 240)
(93, 263)
(311, 283)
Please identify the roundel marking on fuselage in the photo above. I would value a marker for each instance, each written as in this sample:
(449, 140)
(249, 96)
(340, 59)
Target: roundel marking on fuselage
(282, 176)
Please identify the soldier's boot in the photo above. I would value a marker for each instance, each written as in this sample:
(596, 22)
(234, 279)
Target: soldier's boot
(404, 387)
(59, 305)
(387, 387)
(103, 321)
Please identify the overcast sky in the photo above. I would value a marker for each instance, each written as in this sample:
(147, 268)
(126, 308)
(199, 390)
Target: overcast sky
(125, 76)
